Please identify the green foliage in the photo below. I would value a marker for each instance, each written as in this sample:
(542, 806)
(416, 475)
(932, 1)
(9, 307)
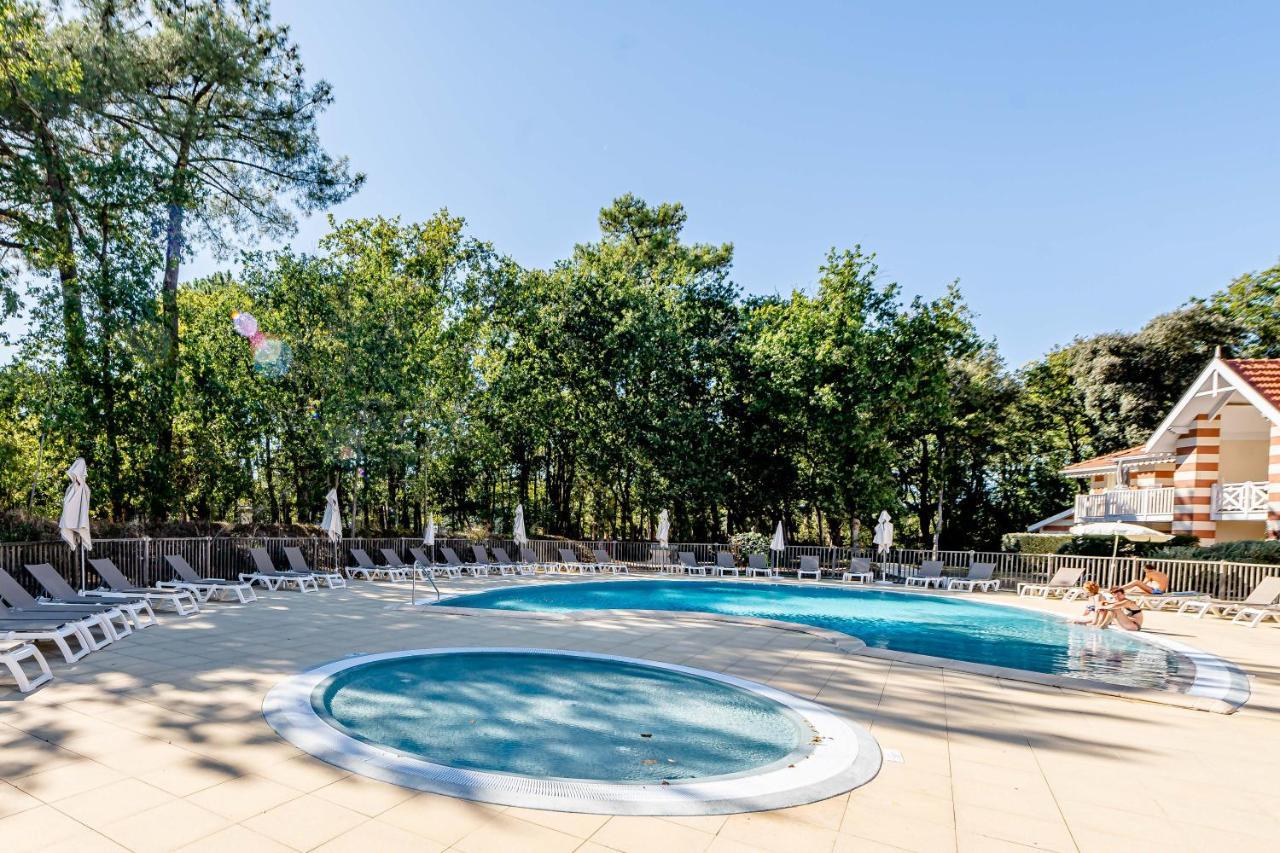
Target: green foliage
(1034, 543)
(1259, 551)
(743, 544)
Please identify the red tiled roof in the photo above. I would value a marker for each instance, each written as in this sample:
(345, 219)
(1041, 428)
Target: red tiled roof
(1262, 374)
(1103, 462)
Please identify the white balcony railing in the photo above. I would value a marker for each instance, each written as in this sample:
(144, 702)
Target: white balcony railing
(1127, 504)
(1240, 500)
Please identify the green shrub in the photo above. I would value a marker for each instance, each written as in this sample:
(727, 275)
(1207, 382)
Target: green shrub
(748, 543)
(1034, 543)
(1250, 551)
(1100, 546)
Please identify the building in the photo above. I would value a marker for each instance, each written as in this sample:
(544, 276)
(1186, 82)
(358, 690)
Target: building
(1210, 470)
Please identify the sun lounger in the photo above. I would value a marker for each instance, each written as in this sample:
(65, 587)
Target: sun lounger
(1168, 600)
(371, 570)
(930, 574)
(11, 657)
(1257, 603)
(473, 569)
(114, 623)
(183, 601)
(607, 563)
(809, 566)
(529, 558)
(60, 592)
(689, 564)
(569, 561)
(1251, 616)
(758, 564)
(86, 624)
(205, 588)
(1065, 582)
(481, 556)
(452, 563)
(298, 563)
(267, 575)
(979, 578)
(859, 570)
(51, 629)
(520, 568)
(425, 565)
(395, 564)
(726, 564)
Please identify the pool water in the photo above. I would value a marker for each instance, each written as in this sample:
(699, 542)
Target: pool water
(935, 625)
(550, 716)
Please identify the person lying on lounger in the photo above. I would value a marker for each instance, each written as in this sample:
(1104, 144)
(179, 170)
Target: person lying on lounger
(1120, 611)
(1153, 581)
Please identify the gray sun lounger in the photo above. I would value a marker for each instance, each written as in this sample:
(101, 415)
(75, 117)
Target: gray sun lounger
(112, 620)
(758, 564)
(689, 563)
(809, 566)
(1065, 582)
(425, 564)
(481, 555)
(50, 629)
(60, 592)
(521, 568)
(979, 578)
(13, 653)
(298, 563)
(395, 564)
(529, 558)
(930, 574)
(205, 588)
(607, 563)
(182, 601)
(726, 564)
(451, 557)
(371, 570)
(1252, 610)
(267, 575)
(859, 570)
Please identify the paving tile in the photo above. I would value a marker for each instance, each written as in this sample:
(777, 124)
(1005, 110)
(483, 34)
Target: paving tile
(244, 797)
(67, 780)
(504, 833)
(237, 839)
(445, 820)
(570, 823)
(375, 837)
(38, 828)
(164, 827)
(305, 822)
(113, 802)
(644, 834)
(14, 800)
(778, 832)
(368, 796)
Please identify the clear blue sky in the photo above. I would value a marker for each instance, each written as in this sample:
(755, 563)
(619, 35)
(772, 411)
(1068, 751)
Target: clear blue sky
(1079, 167)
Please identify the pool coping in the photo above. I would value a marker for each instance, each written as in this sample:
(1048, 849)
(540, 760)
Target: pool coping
(1218, 686)
(842, 756)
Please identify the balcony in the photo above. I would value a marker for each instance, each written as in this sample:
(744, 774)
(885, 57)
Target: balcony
(1239, 501)
(1126, 505)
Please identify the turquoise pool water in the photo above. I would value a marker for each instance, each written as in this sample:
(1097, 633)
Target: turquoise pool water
(551, 716)
(923, 624)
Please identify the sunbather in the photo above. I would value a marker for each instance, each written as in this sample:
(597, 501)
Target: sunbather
(1120, 611)
(1153, 582)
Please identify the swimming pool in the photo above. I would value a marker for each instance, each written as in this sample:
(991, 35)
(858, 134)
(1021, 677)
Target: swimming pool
(574, 731)
(939, 626)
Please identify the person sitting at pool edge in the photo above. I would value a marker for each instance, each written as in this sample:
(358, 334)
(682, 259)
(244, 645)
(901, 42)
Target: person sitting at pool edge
(1092, 615)
(1123, 611)
(1153, 581)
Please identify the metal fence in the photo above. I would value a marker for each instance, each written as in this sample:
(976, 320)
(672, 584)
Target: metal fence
(142, 560)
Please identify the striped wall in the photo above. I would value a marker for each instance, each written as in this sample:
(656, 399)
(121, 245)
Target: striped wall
(1195, 472)
(1273, 485)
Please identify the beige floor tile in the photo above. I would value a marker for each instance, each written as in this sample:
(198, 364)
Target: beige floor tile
(38, 828)
(304, 773)
(187, 777)
(375, 837)
(113, 802)
(14, 800)
(305, 822)
(67, 780)
(919, 835)
(164, 827)
(237, 839)
(505, 833)
(367, 796)
(725, 845)
(570, 823)
(1018, 828)
(244, 797)
(445, 820)
(645, 834)
(777, 832)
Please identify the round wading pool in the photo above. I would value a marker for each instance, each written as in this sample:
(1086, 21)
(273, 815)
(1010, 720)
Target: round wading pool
(571, 731)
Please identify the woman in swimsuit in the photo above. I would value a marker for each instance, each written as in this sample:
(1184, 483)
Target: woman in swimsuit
(1122, 611)
(1153, 582)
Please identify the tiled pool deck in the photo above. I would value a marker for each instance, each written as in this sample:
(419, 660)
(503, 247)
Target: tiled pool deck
(158, 743)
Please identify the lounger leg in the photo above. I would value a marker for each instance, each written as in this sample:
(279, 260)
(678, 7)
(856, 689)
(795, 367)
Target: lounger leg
(13, 661)
(60, 640)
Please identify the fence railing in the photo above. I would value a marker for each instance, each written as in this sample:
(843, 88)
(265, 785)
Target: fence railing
(142, 560)
(1137, 504)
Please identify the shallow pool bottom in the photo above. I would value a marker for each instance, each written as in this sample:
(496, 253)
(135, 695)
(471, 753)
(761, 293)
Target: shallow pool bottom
(571, 731)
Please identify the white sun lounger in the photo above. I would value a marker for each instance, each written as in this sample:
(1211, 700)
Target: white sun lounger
(726, 564)
(267, 575)
(298, 563)
(481, 556)
(1065, 582)
(371, 570)
(689, 564)
(395, 564)
(809, 566)
(84, 623)
(1256, 607)
(520, 568)
(52, 629)
(428, 568)
(930, 575)
(529, 558)
(206, 588)
(758, 564)
(183, 601)
(979, 578)
(13, 654)
(859, 570)
(60, 592)
(474, 569)
(111, 620)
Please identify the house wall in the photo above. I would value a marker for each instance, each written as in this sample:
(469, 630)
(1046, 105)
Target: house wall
(1194, 475)
(1235, 531)
(1241, 461)
(1155, 477)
